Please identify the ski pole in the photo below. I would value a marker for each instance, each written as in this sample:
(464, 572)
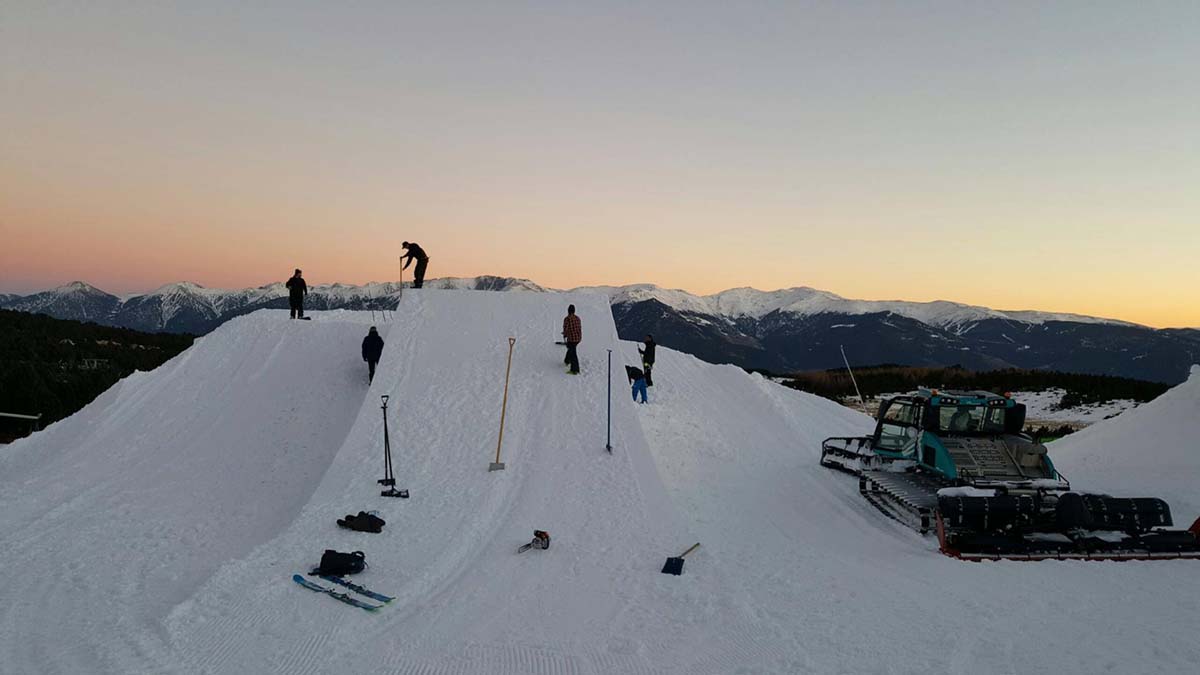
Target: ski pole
(498, 465)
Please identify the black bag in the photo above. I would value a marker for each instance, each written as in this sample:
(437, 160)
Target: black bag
(336, 564)
(363, 522)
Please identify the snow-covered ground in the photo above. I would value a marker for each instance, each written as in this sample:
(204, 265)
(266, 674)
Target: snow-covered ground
(157, 529)
(1042, 406)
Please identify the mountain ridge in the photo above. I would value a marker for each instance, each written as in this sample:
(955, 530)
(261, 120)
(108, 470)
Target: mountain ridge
(784, 330)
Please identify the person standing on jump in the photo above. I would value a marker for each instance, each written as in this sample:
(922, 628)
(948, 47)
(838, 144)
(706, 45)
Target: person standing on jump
(572, 335)
(297, 289)
(648, 358)
(415, 252)
(372, 350)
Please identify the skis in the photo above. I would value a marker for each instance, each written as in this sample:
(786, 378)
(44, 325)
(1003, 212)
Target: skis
(344, 597)
(358, 589)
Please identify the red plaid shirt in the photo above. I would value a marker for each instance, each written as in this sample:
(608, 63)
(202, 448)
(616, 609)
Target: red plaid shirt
(572, 329)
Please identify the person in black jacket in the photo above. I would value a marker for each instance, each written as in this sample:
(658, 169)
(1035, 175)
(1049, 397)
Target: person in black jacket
(297, 289)
(372, 349)
(415, 252)
(648, 358)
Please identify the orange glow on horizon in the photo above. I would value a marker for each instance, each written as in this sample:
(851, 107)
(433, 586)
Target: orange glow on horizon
(691, 158)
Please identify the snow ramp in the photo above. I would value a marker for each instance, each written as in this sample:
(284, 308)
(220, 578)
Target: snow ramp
(1150, 451)
(116, 514)
(157, 530)
(465, 600)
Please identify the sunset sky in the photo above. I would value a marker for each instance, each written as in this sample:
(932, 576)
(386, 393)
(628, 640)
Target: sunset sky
(1014, 155)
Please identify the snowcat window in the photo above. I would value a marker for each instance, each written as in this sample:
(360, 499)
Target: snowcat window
(971, 419)
(897, 429)
(901, 412)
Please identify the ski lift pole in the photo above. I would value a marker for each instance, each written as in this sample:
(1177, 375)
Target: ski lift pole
(498, 465)
(608, 442)
(855, 382)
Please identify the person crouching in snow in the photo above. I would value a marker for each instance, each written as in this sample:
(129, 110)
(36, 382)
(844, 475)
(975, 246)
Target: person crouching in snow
(372, 350)
(638, 379)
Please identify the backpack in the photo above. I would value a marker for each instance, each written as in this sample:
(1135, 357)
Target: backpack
(335, 564)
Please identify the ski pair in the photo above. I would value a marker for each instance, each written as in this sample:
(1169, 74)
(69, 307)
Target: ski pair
(344, 597)
(357, 589)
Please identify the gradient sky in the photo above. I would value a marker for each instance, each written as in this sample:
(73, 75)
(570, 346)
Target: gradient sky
(1016, 155)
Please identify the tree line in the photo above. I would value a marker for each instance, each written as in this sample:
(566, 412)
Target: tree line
(54, 367)
(836, 384)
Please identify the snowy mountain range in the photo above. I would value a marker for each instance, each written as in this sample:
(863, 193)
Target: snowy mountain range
(784, 330)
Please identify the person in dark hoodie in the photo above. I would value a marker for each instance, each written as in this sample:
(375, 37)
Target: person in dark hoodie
(297, 289)
(417, 253)
(372, 349)
(638, 379)
(648, 358)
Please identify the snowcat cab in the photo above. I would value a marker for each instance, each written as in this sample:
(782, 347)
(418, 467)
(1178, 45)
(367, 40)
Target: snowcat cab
(957, 462)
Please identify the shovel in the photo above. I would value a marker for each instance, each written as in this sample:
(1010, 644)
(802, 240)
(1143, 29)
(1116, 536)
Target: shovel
(675, 565)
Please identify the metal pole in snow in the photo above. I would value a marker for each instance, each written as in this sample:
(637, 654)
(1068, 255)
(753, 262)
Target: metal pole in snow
(860, 396)
(608, 442)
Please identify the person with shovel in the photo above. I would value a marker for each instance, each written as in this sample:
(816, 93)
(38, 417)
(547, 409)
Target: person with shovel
(417, 253)
(297, 290)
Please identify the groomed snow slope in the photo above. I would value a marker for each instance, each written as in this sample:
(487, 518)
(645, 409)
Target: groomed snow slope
(796, 573)
(821, 582)
(114, 516)
(465, 601)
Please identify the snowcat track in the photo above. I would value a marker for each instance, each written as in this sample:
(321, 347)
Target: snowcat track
(909, 498)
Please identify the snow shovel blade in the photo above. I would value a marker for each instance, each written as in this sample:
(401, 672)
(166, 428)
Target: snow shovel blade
(675, 565)
(402, 494)
(496, 466)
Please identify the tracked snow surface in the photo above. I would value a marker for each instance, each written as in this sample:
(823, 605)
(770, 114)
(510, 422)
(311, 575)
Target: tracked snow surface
(157, 530)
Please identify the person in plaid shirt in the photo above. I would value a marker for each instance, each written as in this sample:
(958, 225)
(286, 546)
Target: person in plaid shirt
(572, 335)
